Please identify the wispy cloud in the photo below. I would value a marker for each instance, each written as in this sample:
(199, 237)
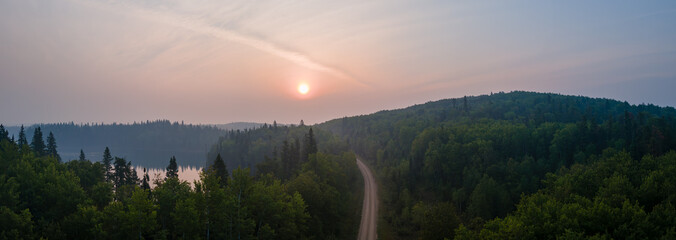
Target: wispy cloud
(200, 26)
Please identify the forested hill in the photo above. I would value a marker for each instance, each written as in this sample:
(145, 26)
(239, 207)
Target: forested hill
(149, 144)
(462, 165)
(528, 108)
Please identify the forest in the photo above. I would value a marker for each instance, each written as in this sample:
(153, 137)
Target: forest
(518, 165)
(147, 143)
(43, 197)
(499, 166)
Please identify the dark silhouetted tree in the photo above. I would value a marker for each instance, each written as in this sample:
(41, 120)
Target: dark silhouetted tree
(51, 147)
(119, 175)
(309, 146)
(23, 141)
(4, 134)
(146, 179)
(464, 105)
(107, 164)
(38, 144)
(172, 169)
(82, 156)
(221, 170)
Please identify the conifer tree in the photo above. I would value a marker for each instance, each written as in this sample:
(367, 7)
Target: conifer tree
(309, 146)
(4, 134)
(312, 142)
(146, 179)
(38, 144)
(82, 156)
(22, 138)
(221, 170)
(172, 169)
(130, 174)
(119, 175)
(107, 164)
(51, 147)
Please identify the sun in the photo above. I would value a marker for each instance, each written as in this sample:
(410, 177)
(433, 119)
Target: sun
(303, 88)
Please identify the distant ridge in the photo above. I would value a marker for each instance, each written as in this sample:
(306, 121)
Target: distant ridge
(149, 144)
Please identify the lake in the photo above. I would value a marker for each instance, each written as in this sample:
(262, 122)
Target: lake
(188, 173)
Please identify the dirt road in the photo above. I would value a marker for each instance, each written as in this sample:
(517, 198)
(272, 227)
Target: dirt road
(369, 212)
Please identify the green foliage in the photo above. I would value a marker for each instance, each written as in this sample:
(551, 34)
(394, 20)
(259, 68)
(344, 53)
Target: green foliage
(220, 170)
(4, 134)
(436, 221)
(145, 181)
(608, 199)
(483, 153)
(167, 194)
(51, 147)
(15, 225)
(172, 169)
(107, 162)
(43, 198)
(506, 166)
(38, 144)
(23, 141)
(89, 173)
(86, 223)
(124, 176)
(249, 148)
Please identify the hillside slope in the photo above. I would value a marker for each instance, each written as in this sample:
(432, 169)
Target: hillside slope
(464, 161)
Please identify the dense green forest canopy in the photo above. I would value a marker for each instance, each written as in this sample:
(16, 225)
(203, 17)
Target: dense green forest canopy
(41, 197)
(249, 147)
(147, 144)
(468, 160)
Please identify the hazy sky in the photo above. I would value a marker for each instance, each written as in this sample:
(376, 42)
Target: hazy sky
(214, 61)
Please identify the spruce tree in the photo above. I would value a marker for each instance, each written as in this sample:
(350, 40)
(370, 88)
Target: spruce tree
(131, 176)
(51, 147)
(309, 146)
(4, 134)
(146, 179)
(22, 138)
(119, 174)
(107, 164)
(82, 156)
(312, 142)
(172, 169)
(38, 144)
(221, 170)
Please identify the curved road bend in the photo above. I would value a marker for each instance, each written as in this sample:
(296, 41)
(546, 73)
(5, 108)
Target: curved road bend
(369, 212)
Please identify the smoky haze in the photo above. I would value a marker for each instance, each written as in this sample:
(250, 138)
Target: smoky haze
(211, 62)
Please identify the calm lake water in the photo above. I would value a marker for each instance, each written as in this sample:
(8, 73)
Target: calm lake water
(189, 174)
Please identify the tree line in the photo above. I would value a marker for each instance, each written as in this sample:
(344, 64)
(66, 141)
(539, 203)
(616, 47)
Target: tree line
(149, 143)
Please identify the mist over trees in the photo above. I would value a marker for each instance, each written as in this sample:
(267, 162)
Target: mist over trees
(247, 148)
(517, 165)
(467, 163)
(104, 198)
(147, 143)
